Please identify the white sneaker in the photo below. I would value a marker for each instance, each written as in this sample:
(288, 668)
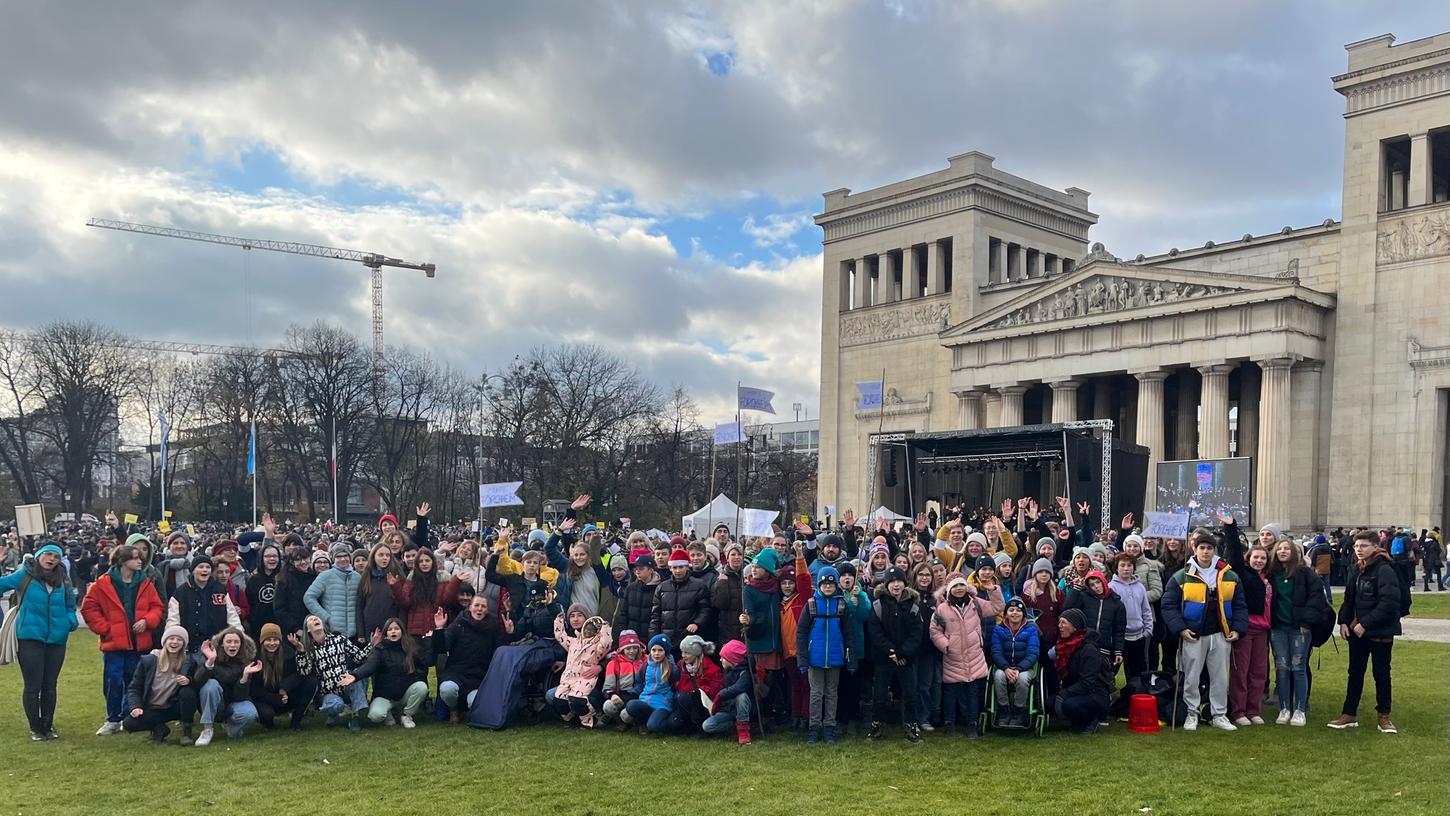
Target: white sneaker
(1221, 723)
(1299, 719)
(407, 721)
(926, 726)
(1283, 718)
(1191, 724)
(1256, 720)
(1241, 722)
(108, 728)
(204, 739)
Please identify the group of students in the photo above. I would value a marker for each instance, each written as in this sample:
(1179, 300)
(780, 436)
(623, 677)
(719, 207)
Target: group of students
(816, 629)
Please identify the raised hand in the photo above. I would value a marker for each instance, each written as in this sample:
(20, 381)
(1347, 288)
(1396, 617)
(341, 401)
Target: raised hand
(921, 522)
(880, 524)
(849, 518)
(295, 640)
(1033, 510)
(804, 529)
(377, 637)
(1006, 508)
(581, 502)
(465, 577)
(269, 525)
(1084, 508)
(1127, 521)
(440, 618)
(423, 509)
(208, 651)
(111, 519)
(566, 525)
(252, 668)
(1226, 518)
(1063, 503)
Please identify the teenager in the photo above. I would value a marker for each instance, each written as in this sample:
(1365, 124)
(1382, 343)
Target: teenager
(1015, 649)
(1369, 620)
(420, 594)
(398, 666)
(895, 633)
(1297, 608)
(155, 697)
(261, 594)
(330, 658)
(280, 688)
(1204, 609)
(223, 680)
(1250, 673)
(290, 585)
(681, 603)
(375, 602)
(202, 606)
(1137, 616)
(45, 605)
(727, 596)
(123, 608)
(332, 597)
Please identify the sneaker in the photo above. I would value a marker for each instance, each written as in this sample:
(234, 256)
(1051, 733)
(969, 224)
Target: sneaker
(830, 735)
(390, 721)
(1256, 720)
(50, 734)
(875, 732)
(107, 728)
(814, 738)
(186, 736)
(1191, 723)
(926, 726)
(36, 736)
(1241, 722)
(970, 729)
(354, 723)
(913, 733)
(1344, 721)
(204, 739)
(1299, 719)
(408, 721)
(1221, 723)
(1283, 718)
(1387, 727)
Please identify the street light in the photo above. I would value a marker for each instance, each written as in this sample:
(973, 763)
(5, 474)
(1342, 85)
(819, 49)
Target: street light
(796, 406)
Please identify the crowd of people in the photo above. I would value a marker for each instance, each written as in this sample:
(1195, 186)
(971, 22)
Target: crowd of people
(1022, 617)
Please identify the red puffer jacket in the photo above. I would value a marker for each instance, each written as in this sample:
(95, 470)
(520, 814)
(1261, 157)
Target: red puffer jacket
(104, 614)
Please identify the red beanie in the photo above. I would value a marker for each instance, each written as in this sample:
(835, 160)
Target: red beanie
(386, 518)
(734, 652)
(679, 558)
(677, 540)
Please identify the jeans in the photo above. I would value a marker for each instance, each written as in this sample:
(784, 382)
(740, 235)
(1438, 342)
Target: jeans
(448, 692)
(906, 681)
(1250, 674)
(825, 689)
(1212, 650)
(352, 697)
(240, 713)
(40, 664)
(1361, 652)
(116, 671)
(722, 722)
(1291, 656)
(412, 701)
(655, 720)
(1018, 693)
(961, 702)
(928, 686)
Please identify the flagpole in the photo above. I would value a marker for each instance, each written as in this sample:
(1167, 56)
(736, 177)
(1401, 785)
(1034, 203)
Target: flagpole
(880, 426)
(739, 480)
(162, 415)
(253, 454)
(336, 517)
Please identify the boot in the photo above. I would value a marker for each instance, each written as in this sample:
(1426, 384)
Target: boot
(815, 737)
(742, 733)
(875, 732)
(159, 734)
(455, 717)
(970, 729)
(830, 735)
(186, 735)
(913, 733)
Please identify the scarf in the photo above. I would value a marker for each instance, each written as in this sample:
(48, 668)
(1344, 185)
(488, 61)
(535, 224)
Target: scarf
(765, 585)
(1065, 649)
(126, 592)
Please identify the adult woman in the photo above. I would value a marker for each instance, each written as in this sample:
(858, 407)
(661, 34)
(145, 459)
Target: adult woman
(375, 604)
(469, 641)
(262, 589)
(46, 604)
(158, 692)
(420, 594)
(123, 608)
(399, 669)
(223, 683)
(1083, 698)
(1297, 606)
(330, 657)
(280, 688)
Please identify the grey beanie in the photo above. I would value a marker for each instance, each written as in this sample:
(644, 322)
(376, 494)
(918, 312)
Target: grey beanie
(1041, 565)
(1276, 531)
(339, 550)
(695, 646)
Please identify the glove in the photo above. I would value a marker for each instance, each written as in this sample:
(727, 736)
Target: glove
(852, 665)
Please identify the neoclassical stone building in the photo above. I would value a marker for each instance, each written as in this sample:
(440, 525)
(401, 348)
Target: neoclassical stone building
(976, 293)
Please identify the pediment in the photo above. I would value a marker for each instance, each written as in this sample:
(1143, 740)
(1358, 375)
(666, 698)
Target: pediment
(1109, 291)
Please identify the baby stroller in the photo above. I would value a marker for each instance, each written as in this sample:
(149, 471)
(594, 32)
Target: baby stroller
(1037, 715)
(516, 679)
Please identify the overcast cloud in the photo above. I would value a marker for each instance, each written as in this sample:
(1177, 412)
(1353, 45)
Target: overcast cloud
(638, 174)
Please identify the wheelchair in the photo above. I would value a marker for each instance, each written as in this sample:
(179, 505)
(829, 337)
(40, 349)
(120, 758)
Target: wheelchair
(1037, 714)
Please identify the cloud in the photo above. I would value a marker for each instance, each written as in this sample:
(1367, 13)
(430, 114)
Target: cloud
(776, 229)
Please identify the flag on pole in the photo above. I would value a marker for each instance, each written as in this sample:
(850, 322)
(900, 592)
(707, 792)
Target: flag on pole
(252, 451)
(727, 433)
(165, 432)
(332, 463)
(870, 395)
(755, 399)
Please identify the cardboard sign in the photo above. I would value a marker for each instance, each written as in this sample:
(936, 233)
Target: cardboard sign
(1165, 525)
(529, 522)
(190, 531)
(164, 526)
(503, 522)
(805, 519)
(499, 494)
(131, 518)
(166, 514)
(30, 519)
(475, 526)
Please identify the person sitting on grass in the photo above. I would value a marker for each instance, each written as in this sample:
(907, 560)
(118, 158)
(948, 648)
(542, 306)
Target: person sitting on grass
(399, 670)
(154, 696)
(619, 676)
(586, 641)
(733, 703)
(224, 686)
(697, 683)
(656, 701)
(330, 657)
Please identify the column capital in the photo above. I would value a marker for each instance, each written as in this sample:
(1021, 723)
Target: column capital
(1214, 368)
(1278, 362)
(1150, 374)
(969, 393)
(1011, 390)
(1309, 366)
(1065, 385)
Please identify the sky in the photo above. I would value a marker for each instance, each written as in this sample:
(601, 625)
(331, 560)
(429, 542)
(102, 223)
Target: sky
(635, 174)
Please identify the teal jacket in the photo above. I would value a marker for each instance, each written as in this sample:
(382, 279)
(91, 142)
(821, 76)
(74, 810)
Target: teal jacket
(47, 615)
(762, 636)
(333, 597)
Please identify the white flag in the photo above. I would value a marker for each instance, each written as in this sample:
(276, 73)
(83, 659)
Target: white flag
(755, 399)
(727, 433)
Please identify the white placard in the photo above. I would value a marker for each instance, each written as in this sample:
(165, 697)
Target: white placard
(30, 519)
(757, 522)
(1165, 525)
(499, 494)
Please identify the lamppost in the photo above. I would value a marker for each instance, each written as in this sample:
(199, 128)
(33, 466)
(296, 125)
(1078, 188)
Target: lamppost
(796, 406)
(482, 419)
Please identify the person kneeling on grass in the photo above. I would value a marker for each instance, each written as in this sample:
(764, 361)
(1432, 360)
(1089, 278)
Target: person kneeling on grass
(159, 690)
(399, 669)
(652, 709)
(586, 641)
(280, 688)
(1083, 699)
(330, 657)
(734, 702)
(224, 683)
(469, 641)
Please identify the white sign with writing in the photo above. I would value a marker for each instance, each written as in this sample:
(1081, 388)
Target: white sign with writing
(1165, 525)
(499, 494)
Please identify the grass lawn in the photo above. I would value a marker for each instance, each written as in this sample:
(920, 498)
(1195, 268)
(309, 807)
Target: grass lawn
(1430, 604)
(544, 769)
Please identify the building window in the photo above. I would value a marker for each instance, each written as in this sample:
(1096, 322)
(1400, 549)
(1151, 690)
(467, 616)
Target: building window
(1395, 174)
(946, 264)
(1440, 166)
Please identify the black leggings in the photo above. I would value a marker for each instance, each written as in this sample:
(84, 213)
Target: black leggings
(40, 664)
(300, 690)
(153, 718)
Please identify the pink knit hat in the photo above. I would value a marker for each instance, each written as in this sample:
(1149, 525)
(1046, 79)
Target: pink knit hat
(733, 652)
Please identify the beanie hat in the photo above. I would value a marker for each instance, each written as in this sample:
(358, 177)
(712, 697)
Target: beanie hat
(1097, 548)
(537, 590)
(619, 561)
(135, 537)
(589, 528)
(177, 631)
(175, 534)
(269, 630)
(199, 560)
(661, 639)
(713, 550)
(984, 562)
(679, 558)
(678, 540)
(733, 652)
(1076, 551)
(832, 540)
(339, 550)
(768, 561)
(846, 568)
(386, 518)
(696, 646)
(538, 536)
(954, 580)
(646, 560)
(1046, 542)
(1276, 531)
(895, 574)
(979, 538)
(1017, 602)
(828, 575)
(629, 638)
(787, 573)
(320, 555)
(1133, 537)
(1075, 617)
(1001, 558)
(1041, 565)
(224, 547)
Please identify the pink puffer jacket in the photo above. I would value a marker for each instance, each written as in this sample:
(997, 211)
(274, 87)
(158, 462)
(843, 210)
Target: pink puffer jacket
(583, 664)
(957, 633)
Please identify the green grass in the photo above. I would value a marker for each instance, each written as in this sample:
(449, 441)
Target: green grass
(544, 769)
(1430, 605)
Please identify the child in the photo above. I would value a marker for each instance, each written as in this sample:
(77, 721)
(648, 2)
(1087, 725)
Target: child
(697, 684)
(797, 690)
(619, 675)
(586, 641)
(733, 703)
(399, 669)
(1015, 648)
(656, 699)
(956, 631)
(823, 645)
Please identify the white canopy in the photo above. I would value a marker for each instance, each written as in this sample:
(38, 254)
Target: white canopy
(890, 515)
(721, 510)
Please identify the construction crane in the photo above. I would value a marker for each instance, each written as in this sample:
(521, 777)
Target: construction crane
(372, 260)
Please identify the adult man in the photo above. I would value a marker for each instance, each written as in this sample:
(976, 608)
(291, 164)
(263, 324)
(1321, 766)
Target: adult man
(1369, 620)
(681, 604)
(1201, 605)
(333, 594)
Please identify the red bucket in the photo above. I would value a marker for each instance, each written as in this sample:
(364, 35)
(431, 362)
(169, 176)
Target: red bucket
(1143, 714)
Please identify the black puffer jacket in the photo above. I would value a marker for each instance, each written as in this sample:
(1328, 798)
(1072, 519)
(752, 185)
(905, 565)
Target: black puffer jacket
(634, 609)
(678, 604)
(1373, 598)
(728, 601)
(288, 605)
(470, 645)
(895, 624)
(375, 607)
(1088, 672)
(1106, 616)
(387, 666)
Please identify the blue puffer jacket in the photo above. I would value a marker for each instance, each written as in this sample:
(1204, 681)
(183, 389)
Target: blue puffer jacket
(1017, 651)
(47, 615)
(333, 597)
(653, 689)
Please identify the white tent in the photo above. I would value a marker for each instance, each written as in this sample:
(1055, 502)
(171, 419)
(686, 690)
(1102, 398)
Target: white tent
(890, 515)
(721, 510)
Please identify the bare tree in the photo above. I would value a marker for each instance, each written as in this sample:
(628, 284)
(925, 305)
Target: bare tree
(329, 384)
(21, 398)
(406, 402)
(171, 387)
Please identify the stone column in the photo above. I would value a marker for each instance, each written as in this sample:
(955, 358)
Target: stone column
(911, 274)
(1185, 428)
(1149, 430)
(886, 279)
(969, 410)
(863, 283)
(1249, 387)
(1213, 435)
(1064, 400)
(1019, 263)
(992, 409)
(1305, 507)
(1273, 471)
(1011, 405)
(936, 273)
(1038, 268)
(999, 263)
(1420, 178)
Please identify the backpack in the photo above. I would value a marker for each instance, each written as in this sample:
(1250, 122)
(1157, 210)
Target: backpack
(1322, 629)
(1397, 547)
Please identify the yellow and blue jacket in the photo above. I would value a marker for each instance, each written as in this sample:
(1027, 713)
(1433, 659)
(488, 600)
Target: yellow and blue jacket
(1185, 602)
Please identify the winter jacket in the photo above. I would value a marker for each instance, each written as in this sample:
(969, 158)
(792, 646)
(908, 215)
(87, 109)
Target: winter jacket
(227, 672)
(290, 682)
(556, 550)
(288, 606)
(1016, 650)
(1251, 584)
(1307, 602)
(619, 676)
(708, 679)
(46, 614)
(538, 621)
(1137, 610)
(763, 635)
(1150, 572)
(581, 663)
(1105, 615)
(387, 666)
(634, 609)
(329, 660)
(105, 614)
(418, 617)
(956, 631)
(737, 681)
(894, 627)
(1087, 671)
(138, 691)
(678, 604)
(333, 598)
(202, 612)
(470, 645)
(653, 689)
(261, 598)
(728, 601)
(826, 633)
(1187, 599)
(1047, 608)
(376, 606)
(1373, 597)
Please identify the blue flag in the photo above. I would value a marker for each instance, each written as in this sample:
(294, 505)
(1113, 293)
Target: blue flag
(252, 451)
(165, 432)
(727, 433)
(755, 399)
(870, 395)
